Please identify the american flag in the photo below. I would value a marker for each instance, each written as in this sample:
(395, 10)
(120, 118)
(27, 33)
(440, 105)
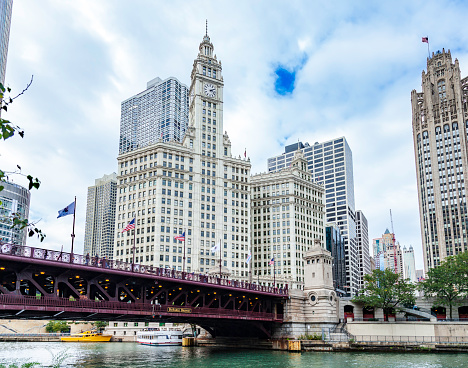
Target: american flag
(425, 39)
(272, 261)
(130, 226)
(180, 237)
(249, 258)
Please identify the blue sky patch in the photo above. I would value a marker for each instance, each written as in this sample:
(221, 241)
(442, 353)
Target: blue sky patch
(285, 79)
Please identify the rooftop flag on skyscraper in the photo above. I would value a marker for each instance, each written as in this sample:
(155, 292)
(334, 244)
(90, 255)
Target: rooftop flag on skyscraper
(425, 39)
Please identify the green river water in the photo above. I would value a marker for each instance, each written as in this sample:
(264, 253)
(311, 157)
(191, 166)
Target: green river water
(115, 355)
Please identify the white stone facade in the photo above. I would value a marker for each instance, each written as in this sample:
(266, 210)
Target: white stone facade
(287, 215)
(195, 187)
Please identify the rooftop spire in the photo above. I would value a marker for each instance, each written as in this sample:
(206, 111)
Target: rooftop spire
(206, 38)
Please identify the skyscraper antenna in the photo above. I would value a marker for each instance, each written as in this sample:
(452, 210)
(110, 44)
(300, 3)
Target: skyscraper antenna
(206, 34)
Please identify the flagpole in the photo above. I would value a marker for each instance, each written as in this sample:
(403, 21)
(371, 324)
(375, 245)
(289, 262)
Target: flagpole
(274, 272)
(428, 52)
(134, 244)
(220, 259)
(250, 267)
(73, 233)
(183, 259)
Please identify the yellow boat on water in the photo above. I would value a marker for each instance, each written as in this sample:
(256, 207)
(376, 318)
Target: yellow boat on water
(87, 336)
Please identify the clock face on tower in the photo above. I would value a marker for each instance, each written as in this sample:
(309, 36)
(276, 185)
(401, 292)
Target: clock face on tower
(209, 90)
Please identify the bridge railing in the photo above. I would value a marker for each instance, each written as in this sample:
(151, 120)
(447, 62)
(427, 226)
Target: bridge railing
(96, 262)
(110, 307)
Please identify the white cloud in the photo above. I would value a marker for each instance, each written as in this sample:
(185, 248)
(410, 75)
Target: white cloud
(364, 58)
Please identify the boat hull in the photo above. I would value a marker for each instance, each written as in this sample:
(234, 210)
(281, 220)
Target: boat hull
(102, 338)
(161, 343)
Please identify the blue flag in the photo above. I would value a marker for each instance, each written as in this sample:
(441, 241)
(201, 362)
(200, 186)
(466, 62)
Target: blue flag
(69, 210)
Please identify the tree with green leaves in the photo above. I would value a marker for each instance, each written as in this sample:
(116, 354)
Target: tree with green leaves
(447, 284)
(100, 325)
(57, 326)
(386, 290)
(8, 130)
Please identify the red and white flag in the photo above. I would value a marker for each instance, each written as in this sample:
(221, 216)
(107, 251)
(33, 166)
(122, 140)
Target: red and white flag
(180, 237)
(425, 39)
(130, 226)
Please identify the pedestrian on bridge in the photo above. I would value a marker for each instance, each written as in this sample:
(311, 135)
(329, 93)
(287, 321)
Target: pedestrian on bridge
(87, 259)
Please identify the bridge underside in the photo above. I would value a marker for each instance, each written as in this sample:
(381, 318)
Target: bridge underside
(47, 290)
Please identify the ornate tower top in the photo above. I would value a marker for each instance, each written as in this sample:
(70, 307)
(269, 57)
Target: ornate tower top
(206, 47)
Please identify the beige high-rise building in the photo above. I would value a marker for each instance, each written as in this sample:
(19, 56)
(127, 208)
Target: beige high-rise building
(287, 217)
(440, 115)
(196, 187)
(387, 253)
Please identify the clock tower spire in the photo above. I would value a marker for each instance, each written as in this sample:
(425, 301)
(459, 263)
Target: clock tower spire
(206, 103)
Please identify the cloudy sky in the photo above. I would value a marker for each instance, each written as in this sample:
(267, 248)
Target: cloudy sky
(308, 70)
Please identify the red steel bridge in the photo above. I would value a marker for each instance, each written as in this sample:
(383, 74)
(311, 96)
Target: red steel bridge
(38, 283)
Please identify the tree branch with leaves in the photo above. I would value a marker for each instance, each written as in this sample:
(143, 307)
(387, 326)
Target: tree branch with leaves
(386, 290)
(447, 284)
(8, 130)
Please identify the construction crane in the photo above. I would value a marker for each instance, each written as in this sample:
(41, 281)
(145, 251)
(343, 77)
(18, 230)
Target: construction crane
(394, 245)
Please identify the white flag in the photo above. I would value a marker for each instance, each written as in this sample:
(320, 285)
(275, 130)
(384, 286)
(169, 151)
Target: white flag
(216, 247)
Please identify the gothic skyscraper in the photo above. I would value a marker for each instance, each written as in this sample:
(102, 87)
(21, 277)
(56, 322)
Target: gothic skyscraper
(440, 119)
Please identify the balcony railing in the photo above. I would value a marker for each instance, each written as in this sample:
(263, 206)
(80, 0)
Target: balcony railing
(96, 262)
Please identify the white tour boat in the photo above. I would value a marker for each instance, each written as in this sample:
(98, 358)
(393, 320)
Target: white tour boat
(160, 336)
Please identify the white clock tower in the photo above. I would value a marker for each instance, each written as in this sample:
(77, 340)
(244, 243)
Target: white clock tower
(206, 103)
(220, 182)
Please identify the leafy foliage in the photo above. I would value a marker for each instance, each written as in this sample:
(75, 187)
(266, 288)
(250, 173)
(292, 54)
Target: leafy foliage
(57, 326)
(8, 130)
(100, 325)
(306, 336)
(447, 283)
(386, 290)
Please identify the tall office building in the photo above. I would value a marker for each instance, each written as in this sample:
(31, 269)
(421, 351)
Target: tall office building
(100, 217)
(5, 21)
(331, 164)
(336, 245)
(287, 217)
(158, 114)
(440, 119)
(195, 187)
(387, 253)
(409, 266)
(14, 199)
(362, 242)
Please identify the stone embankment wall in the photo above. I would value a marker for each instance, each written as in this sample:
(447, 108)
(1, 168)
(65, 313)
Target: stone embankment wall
(436, 330)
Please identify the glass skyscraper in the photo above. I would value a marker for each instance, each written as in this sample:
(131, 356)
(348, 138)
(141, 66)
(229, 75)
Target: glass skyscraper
(331, 164)
(158, 114)
(13, 199)
(5, 21)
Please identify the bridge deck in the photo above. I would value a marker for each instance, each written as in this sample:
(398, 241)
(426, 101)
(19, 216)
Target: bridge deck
(38, 256)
